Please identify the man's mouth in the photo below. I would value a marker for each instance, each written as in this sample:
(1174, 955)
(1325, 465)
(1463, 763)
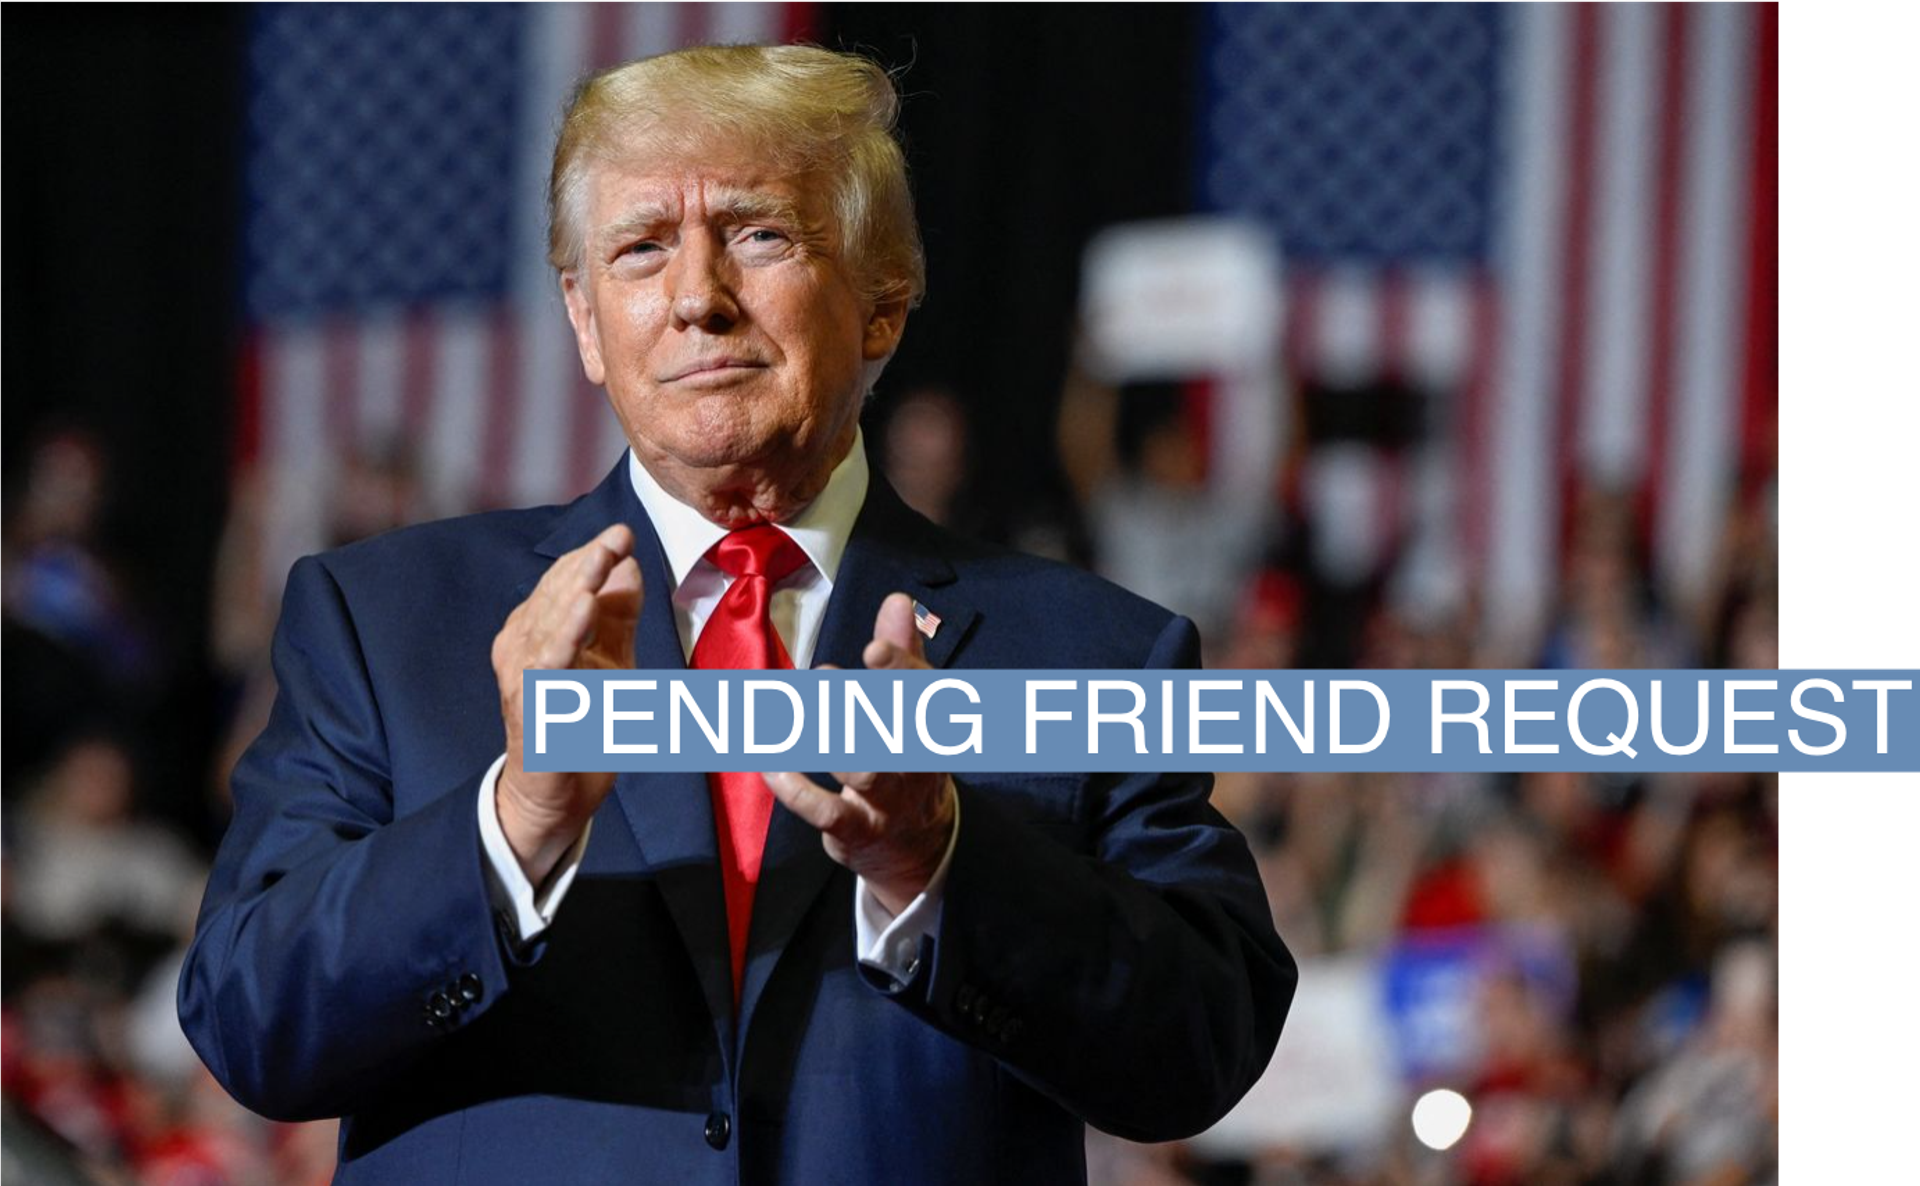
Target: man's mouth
(713, 366)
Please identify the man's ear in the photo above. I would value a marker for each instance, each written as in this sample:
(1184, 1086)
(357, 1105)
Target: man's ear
(885, 325)
(586, 330)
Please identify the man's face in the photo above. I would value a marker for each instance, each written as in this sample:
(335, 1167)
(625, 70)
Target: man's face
(713, 302)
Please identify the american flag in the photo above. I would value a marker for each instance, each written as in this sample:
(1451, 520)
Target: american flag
(1561, 218)
(395, 287)
(925, 620)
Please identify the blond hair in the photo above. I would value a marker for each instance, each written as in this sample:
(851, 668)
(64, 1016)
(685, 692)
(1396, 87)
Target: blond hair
(808, 109)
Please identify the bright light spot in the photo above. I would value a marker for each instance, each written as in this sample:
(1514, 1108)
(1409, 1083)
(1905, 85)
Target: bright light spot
(1440, 1118)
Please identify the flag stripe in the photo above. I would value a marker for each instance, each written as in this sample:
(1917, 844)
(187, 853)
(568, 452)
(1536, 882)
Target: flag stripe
(419, 373)
(549, 366)
(1760, 420)
(1616, 351)
(1569, 368)
(455, 430)
(733, 23)
(1346, 339)
(503, 385)
(1439, 336)
(1665, 331)
(606, 33)
(340, 389)
(294, 367)
(1522, 508)
(795, 22)
(1713, 232)
(1393, 328)
(1302, 318)
(381, 349)
(1476, 434)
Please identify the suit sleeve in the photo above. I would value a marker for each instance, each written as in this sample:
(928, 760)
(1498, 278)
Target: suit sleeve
(1142, 987)
(337, 941)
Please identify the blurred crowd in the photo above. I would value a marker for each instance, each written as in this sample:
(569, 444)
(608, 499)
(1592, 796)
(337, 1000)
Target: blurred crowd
(103, 868)
(1589, 960)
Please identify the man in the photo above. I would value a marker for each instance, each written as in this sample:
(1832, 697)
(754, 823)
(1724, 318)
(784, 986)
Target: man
(588, 978)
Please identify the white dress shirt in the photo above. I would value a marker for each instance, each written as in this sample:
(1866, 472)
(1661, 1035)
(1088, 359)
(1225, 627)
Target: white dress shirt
(885, 941)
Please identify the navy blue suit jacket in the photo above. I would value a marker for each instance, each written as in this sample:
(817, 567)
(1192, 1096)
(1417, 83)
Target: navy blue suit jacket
(1105, 954)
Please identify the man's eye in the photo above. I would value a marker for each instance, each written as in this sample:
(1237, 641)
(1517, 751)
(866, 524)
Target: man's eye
(764, 235)
(644, 247)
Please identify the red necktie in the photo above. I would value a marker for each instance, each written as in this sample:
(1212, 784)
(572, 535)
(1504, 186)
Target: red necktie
(740, 636)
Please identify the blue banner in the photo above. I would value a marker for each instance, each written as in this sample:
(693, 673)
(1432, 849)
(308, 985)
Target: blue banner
(1078, 721)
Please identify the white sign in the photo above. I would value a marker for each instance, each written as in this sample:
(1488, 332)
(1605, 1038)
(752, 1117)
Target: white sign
(1182, 298)
(1333, 1083)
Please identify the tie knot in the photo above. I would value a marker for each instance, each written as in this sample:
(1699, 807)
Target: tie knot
(762, 550)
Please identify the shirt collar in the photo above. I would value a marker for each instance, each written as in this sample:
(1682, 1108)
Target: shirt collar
(821, 529)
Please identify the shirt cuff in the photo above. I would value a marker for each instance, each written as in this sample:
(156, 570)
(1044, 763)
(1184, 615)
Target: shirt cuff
(890, 942)
(513, 895)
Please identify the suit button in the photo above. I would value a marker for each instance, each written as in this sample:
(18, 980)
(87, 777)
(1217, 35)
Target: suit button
(963, 998)
(980, 1008)
(440, 1006)
(719, 1128)
(996, 1020)
(470, 988)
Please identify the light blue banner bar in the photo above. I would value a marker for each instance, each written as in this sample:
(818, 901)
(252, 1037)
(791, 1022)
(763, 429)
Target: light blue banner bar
(1118, 721)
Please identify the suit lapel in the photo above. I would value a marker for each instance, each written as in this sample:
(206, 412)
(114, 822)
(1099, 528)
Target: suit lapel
(670, 814)
(891, 550)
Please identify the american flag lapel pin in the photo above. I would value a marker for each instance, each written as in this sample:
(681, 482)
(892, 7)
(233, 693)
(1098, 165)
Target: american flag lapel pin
(925, 619)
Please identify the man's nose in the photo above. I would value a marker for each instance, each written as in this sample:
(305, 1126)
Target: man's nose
(698, 288)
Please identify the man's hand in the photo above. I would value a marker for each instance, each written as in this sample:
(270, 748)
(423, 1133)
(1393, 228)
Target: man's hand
(581, 615)
(890, 829)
